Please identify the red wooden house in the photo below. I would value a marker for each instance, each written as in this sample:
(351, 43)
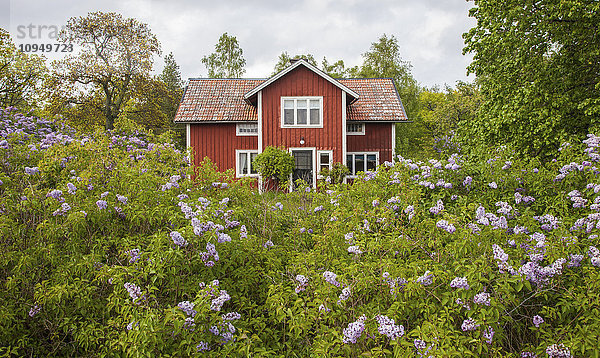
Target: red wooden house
(320, 120)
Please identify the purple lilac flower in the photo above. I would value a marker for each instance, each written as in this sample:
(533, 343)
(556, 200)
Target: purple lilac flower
(71, 188)
(231, 316)
(558, 351)
(488, 334)
(188, 308)
(302, 283)
(460, 282)
(202, 346)
(445, 225)
(346, 292)
(134, 255)
(131, 325)
(103, 195)
(469, 325)
(318, 208)
(426, 279)
(468, 180)
(102, 204)
(134, 291)
(32, 171)
(575, 260)
(331, 278)
(349, 237)
(410, 211)
(482, 298)
(493, 185)
(388, 327)
(122, 199)
(323, 308)
(354, 330)
(268, 244)
(34, 310)
(439, 206)
(56, 194)
(537, 320)
(218, 302)
(499, 254)
(223, 237)
(375, 203)
(243, 232)
(178, 239)
(354, 250)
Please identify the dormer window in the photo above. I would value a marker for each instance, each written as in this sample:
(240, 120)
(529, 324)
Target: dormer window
(301, 112)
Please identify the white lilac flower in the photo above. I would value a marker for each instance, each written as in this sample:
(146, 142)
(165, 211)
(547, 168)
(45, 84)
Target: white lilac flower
(346, 292)
(460, 282)
(499, 254)
(32, 171)
(122, 199)
(493, 185)
(537, 320)
(268, 244)
(445, 225)
(439, 207)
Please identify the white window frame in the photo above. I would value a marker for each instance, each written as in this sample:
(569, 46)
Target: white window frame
(242, 129)
(362, 128)
(353, 170)
(307, 125)
(249, 153)
(318, 166)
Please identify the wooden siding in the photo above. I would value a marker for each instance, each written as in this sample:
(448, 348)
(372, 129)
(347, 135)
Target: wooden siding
(303, 82)
(219, 142)
(377, 137)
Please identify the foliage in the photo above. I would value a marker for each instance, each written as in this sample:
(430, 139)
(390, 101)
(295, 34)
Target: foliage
(336, 70)
(538, 67)
(275, 163)
(227, 61)
(110, 248)
(336, 174)
(285, 59)
(114, 59)
(21, 75)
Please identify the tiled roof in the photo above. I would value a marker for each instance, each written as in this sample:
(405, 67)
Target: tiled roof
(208, 100)
(378, 100)
(217, 100)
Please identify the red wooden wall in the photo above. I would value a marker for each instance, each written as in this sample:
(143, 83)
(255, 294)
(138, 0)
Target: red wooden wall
(303, 82)
(377, 136)
(218, 142)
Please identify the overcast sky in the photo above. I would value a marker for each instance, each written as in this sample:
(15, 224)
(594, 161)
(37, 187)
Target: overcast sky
(429, 32)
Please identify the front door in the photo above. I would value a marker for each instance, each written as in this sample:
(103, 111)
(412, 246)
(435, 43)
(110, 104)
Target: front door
(304, 166)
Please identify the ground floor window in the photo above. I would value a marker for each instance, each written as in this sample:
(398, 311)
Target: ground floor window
(244, 165)
(324, 160)
(361, 162)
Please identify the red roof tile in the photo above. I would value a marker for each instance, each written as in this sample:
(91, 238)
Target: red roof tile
(208, 100)
(378, 101)
(217, 100)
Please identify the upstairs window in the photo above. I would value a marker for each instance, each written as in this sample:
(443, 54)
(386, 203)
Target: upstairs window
(242, 129)
(302, 112)
(355, 128)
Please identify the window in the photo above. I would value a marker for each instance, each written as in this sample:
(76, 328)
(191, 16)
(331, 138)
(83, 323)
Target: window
(244, 163)
(324, 158)
(361, 162)
(242, 129)
(355, 128)
(302, 111)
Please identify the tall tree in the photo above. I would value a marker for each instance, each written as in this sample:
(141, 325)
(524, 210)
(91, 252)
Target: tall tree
(115, 56)
(538, 63)
(227, 61)
(21, 75)
(383, 60)
(285, 59)
(336, 69)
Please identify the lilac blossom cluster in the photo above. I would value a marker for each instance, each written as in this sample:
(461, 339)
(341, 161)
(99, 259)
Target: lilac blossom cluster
(469, 325)
(218, 302)
(594, 255)
(482, 298)
(488, 334)
(188, 308)
(209, 255)
(490, 219)
(178, 239)
(577, 199)
(426, 279)
(134, 255)
(354, 330)
(438, 208)
(548, 222)
(445, 225)
(460, 282)
(134, 291)
(393, 283)
(344, 295)
(354, 249)
(558, 351)
(388, 327)
(35, 309)
(302, 283)
(537, 320)
(331, 278)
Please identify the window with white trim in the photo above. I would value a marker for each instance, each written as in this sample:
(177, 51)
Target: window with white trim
(244, 160)
(302, 112)
(324, 160)
(243, 129)
(361, 162)
(355, 128)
